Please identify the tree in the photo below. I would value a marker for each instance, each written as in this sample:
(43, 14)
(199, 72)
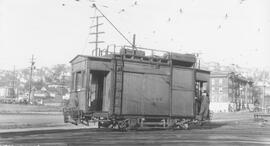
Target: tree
(58, 71)
(39, 84)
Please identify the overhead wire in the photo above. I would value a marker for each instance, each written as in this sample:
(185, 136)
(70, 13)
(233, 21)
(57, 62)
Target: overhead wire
(94, 6)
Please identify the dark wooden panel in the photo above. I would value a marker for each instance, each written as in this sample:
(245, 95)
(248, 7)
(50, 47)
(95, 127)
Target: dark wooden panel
(183, 92)
(145, 94)
(132, 93)
(183, 79)
(107, 93)
(146, 68)
(202, 76)
(100, 65)
(182, 104)
(156, 95)
(79, 66)
(82, 100)
(184, 57)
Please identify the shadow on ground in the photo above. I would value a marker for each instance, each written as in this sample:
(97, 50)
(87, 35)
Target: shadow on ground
(210, 125)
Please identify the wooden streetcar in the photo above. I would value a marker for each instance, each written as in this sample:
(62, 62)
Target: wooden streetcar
(133, 89)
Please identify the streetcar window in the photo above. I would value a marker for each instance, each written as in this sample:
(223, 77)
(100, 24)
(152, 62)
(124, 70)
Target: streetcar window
(73, 81)
(78, 80)
(83, 79)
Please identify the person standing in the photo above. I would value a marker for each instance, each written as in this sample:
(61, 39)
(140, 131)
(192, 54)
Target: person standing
(197, 103)
(204, 111)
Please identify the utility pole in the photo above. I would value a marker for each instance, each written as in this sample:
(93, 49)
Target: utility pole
(32, 67)
(96, 33)
(263, 89)
(134, 42)
(234, 90)
(62, 85)
(13, 82)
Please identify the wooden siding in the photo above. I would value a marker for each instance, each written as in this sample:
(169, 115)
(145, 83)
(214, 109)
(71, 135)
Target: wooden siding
(145, 94)
(202, 76)
(100, 65)
(79, 66)
(146, 68)
(183, 92)
(146, 88)
(133, 94)
(107, 93)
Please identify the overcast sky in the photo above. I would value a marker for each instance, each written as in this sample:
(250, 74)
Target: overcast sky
(55, 31)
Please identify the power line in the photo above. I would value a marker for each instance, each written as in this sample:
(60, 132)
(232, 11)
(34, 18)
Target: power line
(94, 5)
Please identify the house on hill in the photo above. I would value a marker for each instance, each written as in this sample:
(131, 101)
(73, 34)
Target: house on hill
(7, 92)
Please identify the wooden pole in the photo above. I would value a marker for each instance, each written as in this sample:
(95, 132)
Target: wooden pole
(96, 35)
(13, 82)
(133, 43)
(171, 84)
(30, 78)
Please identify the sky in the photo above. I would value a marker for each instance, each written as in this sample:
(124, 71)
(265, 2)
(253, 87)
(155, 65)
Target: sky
(55, 31)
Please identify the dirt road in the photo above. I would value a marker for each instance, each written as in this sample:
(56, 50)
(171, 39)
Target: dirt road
(240, 130)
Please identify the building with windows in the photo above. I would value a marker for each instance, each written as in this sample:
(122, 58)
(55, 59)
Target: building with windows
(7, 92)
(262, 94)
(229, 91)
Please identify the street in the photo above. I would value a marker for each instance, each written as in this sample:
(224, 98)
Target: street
(225, 129)
(12, 121)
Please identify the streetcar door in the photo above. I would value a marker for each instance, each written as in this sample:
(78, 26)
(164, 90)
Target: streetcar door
(97, 88)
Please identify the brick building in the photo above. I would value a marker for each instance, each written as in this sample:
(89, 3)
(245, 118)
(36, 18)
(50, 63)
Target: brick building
(229, 92)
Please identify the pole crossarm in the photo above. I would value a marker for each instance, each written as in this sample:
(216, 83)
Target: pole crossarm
(97, 42)
(93, 26)
(94, 33)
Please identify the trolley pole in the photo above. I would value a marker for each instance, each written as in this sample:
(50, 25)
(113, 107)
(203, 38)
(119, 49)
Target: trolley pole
(30, 78)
